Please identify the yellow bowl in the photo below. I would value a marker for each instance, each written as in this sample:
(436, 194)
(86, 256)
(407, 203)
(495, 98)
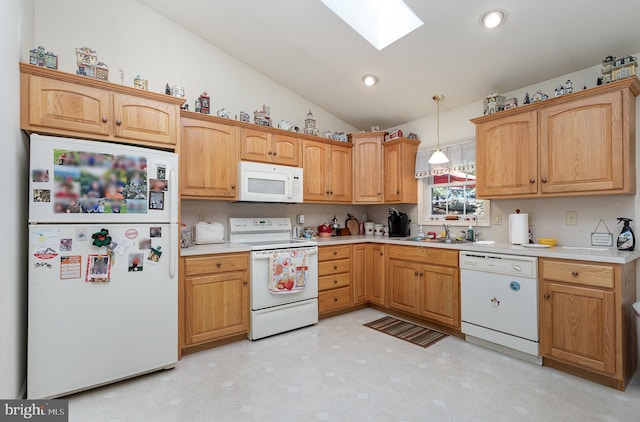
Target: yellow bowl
(547, 241)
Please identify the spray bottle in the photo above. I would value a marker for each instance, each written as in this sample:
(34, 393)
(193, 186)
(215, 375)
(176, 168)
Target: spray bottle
(626, 239)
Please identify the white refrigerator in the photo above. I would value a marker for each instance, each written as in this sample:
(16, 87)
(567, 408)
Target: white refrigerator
(103, 257)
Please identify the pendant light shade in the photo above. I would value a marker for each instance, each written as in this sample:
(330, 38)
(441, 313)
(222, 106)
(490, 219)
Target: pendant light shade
(438, 156)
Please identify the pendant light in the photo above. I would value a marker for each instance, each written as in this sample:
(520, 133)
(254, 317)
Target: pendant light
(438, 156)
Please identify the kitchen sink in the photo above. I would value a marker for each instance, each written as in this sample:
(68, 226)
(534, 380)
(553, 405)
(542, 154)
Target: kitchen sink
(437, 240)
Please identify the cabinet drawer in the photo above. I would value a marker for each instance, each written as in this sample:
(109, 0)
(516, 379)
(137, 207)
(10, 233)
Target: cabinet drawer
(334, 267)
(597, 275)
(334, 299)
(216, 264)
(424, 255)
(332, 281)
(334, 252)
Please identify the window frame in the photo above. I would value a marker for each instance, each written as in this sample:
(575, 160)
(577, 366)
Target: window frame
(425, 217)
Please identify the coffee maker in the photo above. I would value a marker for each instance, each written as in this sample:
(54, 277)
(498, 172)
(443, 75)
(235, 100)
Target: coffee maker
(398, 223)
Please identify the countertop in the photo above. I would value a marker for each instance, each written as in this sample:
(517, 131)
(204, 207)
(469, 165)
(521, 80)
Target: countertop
(610, 255)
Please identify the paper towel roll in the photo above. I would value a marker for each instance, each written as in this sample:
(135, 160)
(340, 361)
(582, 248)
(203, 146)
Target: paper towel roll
(518, 229)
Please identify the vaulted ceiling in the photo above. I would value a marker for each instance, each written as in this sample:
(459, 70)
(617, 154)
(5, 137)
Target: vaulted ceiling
(304, 46)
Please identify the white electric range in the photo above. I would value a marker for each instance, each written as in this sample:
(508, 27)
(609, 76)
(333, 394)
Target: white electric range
(284, 275)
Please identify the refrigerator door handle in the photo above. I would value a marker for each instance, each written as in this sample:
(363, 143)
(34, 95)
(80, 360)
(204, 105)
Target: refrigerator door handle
(173, 237)
(173, 204)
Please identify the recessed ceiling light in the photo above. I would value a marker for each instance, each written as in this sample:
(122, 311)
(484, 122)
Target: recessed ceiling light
(381, 22)
(369, 80)
(493, 18)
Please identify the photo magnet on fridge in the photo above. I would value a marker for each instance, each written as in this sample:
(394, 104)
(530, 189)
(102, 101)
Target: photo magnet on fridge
(66, 244)
(70, 267)
(156, 200)
(162, 172)
(154, 255)
(136, 261)
(155, 232)
(98, 268)
(40, 175)
(159, 185)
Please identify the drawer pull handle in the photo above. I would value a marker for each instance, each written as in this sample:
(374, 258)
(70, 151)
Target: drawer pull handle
(574, 273)
(335, 281)
(547, 296)
(335, 252)
(218, 264)
(335, 267)
(335, 299)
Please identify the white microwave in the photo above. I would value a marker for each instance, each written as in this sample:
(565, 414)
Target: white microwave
(260, 182)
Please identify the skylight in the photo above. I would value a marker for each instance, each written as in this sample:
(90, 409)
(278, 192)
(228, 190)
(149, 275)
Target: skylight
(381, 22)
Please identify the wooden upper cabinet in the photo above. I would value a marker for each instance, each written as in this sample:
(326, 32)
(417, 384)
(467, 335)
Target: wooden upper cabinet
(579, 144)
(54, 102)
(367, 167)
(327, 172)
(400, 184)
(208, 159)
(145, 120)
(257, 145)
(507, 156)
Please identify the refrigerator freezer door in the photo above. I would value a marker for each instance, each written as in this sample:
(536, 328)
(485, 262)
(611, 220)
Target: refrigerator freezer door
(80, 181)
(96, 317)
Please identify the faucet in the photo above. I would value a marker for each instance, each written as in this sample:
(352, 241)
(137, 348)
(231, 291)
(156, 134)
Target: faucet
(446, 230)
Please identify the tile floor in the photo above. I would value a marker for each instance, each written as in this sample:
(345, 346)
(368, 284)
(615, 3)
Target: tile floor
(339, 370)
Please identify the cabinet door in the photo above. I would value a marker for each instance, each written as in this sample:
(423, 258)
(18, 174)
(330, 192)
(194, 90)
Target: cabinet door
(316, 162)
(506, 156)
(376, 273)
(208, 160)
(255, 145)
(216, 306)
(286, 150)
(439, 295)
(578, 326)
(392, 170)
(581, 145)
(359, 273)
(146, 120)
(340, 176)
(404, 286)
(69, 107)
(367, 170)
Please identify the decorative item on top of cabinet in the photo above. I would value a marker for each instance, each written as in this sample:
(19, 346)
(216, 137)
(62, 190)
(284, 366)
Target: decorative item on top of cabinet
(577, 144)
(54, 102)
(215, 289)
(262, 117)
(140, 83)
(204, 101)
(327, 171)
(587, 319)
(400, 184)
(41, 57)
(368, 183)
(208, 158)
(310, 125)
(334, 278)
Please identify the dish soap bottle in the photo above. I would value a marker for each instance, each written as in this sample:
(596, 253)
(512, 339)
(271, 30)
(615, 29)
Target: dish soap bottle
(470, 234)
(626, 239)
(421, 234)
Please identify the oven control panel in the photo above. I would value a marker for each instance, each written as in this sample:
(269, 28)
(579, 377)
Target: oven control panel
(259, 225)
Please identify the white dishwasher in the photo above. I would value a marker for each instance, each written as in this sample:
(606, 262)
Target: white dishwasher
(499, 303)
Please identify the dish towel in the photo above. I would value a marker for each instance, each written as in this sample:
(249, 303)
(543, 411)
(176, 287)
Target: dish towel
(288, 271)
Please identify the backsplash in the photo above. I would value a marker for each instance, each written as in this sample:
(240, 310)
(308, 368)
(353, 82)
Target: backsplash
(549, 215)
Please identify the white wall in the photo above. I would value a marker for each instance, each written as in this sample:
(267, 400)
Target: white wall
(16, 20)
(128, 35)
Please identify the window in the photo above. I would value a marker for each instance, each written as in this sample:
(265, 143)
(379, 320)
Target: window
(448, 191)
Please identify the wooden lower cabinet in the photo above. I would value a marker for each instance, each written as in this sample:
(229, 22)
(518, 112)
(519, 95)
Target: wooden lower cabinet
(216, 297)
(424, 282)
(334, 278)
(586, 319)
(367, 273)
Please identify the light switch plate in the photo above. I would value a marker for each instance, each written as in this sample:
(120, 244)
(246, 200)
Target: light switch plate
(572, 218)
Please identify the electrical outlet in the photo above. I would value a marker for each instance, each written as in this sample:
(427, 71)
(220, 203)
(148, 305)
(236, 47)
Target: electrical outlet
(572, 218)
(204, 218)
(497, 218)
(300, 218)
(413, 218)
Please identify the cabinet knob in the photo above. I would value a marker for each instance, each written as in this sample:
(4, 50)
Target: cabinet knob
(381, 253)
(416, 273)
(532, 181)
(397, 192)
(118, 122)
(547, 295)
(335, 252)
(379, 193)
(233, 186)
(327, 192)
(335, 267)
(574, 273)
(421, 273)
(544, 180)
(270, 153)
(218, 264)
(104, 119)
(330, 192)
(245, 282)
(275, 153)
(335, 281)
(335, 299)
